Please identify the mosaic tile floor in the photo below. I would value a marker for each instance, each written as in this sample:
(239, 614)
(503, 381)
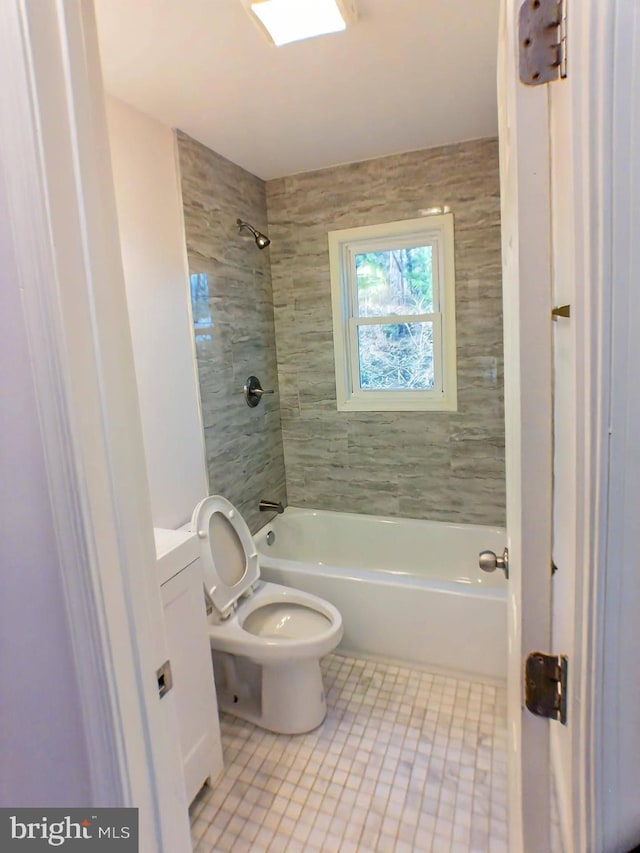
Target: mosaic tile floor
(405, 761)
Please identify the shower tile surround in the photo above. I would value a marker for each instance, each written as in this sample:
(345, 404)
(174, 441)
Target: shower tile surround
(434, 465)
(296, 446)
(243, 445)
(406, 760)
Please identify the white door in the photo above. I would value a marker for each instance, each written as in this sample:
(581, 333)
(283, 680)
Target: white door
(526, 248)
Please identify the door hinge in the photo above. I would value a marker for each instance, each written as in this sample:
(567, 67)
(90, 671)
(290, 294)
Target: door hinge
(542, 33)
(545, 683)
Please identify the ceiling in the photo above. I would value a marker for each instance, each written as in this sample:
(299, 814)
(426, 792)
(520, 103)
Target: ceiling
(410, 74)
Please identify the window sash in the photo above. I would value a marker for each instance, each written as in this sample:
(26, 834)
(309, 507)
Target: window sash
(412, 241)
(353, 351)
(344, 246)
(351, 251)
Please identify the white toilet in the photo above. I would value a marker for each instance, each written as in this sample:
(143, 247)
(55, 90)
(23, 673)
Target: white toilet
(266, 639)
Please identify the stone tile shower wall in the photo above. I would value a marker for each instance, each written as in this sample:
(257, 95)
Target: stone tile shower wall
(233, 310)
(434, 465)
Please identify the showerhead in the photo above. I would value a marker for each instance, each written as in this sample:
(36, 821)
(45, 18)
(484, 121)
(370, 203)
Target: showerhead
(262, 241)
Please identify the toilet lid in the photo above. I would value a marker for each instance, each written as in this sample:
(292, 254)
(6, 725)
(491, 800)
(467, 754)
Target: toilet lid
(228, 553)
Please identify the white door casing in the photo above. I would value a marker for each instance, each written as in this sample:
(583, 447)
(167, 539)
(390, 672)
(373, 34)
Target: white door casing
(526, 261)
(596, 592)
(614, 208)
(592, 130)
(59, 193)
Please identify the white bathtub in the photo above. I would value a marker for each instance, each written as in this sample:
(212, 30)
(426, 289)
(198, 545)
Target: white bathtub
(407, 589)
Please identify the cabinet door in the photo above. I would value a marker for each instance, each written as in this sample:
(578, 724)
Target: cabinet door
(186, 626)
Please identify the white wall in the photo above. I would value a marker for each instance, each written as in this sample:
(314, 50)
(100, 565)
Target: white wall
(154, 258)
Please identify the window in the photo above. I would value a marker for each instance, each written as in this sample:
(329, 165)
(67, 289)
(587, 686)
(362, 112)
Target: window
(393, 296)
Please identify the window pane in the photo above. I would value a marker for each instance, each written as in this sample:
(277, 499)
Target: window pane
(396, 357)
(396, 281)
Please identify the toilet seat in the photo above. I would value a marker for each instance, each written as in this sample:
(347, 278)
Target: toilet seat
(228, 553)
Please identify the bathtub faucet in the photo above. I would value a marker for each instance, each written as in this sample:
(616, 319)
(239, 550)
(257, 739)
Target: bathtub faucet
(271, 506)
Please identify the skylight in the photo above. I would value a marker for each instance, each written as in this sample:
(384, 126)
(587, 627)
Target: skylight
(293, 20)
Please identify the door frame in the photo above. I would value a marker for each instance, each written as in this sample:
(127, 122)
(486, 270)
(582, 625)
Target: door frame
(603, 37)
(605, 142)
(55, 175)
(612, 628)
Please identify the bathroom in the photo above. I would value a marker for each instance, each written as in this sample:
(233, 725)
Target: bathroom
(268, 312)
(412, 753)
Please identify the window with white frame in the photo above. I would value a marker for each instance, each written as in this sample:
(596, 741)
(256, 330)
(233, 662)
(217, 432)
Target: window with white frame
(393, 297)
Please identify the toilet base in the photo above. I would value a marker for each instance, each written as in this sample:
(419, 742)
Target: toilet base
(292, 698)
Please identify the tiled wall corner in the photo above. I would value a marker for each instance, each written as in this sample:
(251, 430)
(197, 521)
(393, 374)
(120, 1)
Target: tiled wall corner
(243, 445)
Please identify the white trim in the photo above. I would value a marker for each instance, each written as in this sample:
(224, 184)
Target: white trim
(587, 230)
(617, 588)
(56, 166)
(598, 802)
(526, 266)
(434, 231)
(76, 546)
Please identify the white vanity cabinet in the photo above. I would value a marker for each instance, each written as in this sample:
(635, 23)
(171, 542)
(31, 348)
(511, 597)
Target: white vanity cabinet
(192, 673)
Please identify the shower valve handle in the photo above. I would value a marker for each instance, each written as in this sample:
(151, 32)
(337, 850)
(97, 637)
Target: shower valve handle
(253, 391)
